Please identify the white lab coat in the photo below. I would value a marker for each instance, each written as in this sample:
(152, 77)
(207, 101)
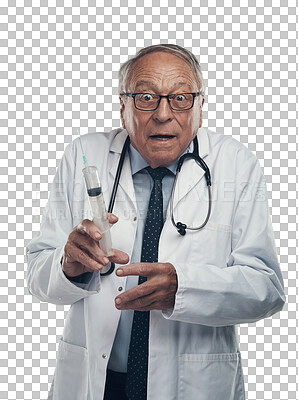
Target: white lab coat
(228, 272)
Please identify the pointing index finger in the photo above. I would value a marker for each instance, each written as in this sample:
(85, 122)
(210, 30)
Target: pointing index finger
(140, 269)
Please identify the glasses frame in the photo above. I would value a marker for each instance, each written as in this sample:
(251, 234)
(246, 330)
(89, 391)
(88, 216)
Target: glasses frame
(133, 95)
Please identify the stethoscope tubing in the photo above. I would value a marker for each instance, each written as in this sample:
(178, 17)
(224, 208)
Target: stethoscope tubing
(181, 228)
(118, 174)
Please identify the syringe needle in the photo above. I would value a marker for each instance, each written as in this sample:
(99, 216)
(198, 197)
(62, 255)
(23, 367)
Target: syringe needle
(84, 158)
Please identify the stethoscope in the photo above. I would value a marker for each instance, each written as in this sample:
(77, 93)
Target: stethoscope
(181, 227)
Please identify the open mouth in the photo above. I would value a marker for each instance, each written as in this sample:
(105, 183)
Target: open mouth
(162, 137)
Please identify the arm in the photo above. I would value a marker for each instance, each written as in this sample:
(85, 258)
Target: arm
(60, 253)
(250, 287)
(45, 277)
(247, 289)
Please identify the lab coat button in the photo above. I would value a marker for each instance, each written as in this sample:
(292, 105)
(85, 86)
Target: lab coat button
(135, 218)
(120, 288)
(104, 356)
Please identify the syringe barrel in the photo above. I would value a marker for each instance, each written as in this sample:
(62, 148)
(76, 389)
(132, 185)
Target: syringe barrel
(92, 181)
(100, 216)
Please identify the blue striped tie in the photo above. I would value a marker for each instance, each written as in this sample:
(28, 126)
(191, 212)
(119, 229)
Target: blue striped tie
(137, 365)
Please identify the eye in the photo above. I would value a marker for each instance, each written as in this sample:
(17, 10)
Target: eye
(146, 97)
(180, 97)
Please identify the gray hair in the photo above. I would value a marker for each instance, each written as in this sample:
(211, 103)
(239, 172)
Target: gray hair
(174, 49)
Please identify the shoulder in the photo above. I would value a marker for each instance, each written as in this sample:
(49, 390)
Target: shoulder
(226, 143)
(230, 159)
(225, 147)
(96, 143)
(101, 139)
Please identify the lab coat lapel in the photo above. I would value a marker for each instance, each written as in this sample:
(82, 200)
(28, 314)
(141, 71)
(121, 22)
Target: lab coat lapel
(126, 181)
(191, 173)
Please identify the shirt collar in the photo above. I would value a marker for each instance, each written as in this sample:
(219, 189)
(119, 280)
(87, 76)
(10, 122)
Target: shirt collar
(119, 136)
(137, 162)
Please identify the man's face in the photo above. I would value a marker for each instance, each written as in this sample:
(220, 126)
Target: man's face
(161, 136)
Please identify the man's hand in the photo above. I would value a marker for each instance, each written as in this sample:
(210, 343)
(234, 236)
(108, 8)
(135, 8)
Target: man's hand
(157, 293)
(82, 252)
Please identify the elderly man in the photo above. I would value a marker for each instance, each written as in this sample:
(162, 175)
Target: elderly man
(161, 325)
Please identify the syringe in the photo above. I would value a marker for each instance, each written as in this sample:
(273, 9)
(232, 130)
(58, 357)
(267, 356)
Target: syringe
(100, 216)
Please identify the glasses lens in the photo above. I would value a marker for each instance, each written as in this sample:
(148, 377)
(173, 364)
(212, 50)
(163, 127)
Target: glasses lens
(181, 101)
(146, 101)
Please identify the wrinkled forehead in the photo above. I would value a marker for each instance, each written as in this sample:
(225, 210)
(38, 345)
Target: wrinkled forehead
(161, 69)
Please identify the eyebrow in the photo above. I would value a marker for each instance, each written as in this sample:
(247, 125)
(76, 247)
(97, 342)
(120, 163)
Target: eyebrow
(151, 85)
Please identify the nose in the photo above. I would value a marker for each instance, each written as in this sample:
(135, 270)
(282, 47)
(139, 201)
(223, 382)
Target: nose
(164, 112)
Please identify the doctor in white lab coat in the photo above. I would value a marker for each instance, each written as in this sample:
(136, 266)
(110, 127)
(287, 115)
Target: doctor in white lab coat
(218, 277)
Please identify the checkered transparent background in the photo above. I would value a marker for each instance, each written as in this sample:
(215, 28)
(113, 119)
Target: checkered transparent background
(59, 64)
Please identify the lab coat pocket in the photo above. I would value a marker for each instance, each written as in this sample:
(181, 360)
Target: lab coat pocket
(71, 375)
(212, 245)
(210, 376)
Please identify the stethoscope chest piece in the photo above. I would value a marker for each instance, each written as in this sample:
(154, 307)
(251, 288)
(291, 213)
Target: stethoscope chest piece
(181, 228)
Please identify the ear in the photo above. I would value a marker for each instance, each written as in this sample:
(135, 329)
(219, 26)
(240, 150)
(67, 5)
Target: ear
(122, 108)
(201, 112)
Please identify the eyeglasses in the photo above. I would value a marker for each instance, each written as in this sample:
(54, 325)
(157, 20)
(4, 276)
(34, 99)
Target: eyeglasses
(150, 102)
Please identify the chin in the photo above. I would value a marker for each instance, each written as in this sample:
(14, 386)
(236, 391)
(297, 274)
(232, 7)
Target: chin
(160, 163)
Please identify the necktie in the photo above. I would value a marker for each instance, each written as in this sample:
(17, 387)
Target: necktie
(137, 365)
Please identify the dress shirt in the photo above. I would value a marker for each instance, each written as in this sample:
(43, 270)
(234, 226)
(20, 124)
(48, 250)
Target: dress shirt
(143, 185)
